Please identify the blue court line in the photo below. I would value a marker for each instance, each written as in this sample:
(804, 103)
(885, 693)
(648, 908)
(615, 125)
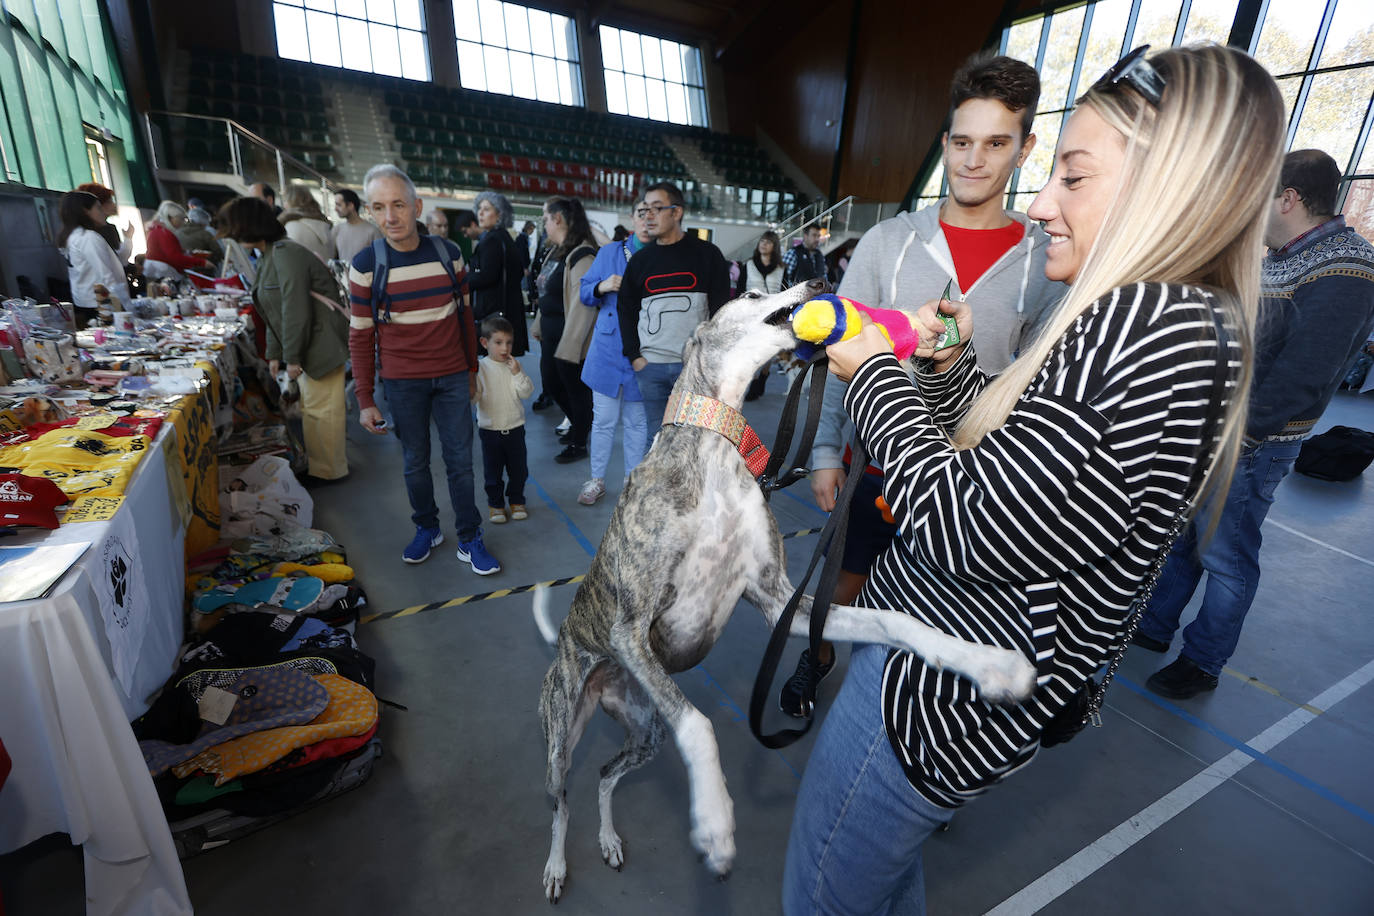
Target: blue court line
(1258, 756)
(572, 526)
(591, 552)
(806, 502)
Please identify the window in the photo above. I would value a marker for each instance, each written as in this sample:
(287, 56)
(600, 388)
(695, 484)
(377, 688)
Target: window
(654, 78)
(1321, 52)
(376, 36)
(515, 50)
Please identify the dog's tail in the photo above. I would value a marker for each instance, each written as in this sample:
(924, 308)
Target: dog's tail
(547, 628)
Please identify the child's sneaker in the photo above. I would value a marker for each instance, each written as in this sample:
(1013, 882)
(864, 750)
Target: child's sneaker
(417, 551)
(475, 554)
(518, 513)
(592, 490)
(497, 514)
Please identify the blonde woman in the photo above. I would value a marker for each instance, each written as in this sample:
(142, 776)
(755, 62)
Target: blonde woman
(1031, 508)
(305, 222)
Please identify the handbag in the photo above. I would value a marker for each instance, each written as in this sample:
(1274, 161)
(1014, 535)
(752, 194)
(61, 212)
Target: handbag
(1086, 704)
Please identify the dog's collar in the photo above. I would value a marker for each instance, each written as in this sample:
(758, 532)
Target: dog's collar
(688, 409)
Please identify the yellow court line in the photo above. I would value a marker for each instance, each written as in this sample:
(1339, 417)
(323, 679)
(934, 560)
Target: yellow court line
(1257, 683)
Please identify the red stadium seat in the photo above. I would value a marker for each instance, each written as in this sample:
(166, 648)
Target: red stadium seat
(523, 165)
(504, 161)
(486, 160)
(540, 167)
(499, 182)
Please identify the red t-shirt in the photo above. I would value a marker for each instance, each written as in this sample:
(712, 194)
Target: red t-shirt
(975, 250)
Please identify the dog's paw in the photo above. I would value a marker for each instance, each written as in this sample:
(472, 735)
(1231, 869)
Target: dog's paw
(555, 875)
(612, 850)
(1005, 677)
(713, 835)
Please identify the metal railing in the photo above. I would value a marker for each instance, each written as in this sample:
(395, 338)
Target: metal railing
(229, 149)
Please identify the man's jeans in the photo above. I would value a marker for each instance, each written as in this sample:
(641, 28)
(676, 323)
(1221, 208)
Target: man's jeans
(858, 826)
(414, 402)
(606, 411)
(1230, 559)
(656, 382)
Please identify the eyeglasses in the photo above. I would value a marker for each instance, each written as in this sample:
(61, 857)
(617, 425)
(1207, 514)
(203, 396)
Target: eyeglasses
(1135, 71)
(643, 212)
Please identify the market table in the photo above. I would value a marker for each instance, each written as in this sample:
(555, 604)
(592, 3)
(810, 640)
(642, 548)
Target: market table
(74, 673)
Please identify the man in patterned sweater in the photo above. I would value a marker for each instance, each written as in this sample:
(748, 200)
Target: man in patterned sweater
(1317, 310)
(418, 336)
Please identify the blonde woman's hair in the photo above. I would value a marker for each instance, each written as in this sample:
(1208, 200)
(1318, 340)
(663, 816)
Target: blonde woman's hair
(1191, 208)
(166, 211)
(300, 199)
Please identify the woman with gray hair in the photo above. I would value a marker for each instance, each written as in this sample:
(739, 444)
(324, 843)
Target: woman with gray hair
(166, 258)
(498, 264)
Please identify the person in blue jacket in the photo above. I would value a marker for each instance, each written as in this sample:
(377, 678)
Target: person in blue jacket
(606, 371)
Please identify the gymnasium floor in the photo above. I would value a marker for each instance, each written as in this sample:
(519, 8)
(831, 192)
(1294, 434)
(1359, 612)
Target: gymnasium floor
(1256, 798)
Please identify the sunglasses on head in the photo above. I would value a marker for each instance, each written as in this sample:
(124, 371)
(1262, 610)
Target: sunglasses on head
(1134, 71)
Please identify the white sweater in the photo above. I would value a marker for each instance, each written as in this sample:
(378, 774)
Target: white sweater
(499, 394)
(90, 260)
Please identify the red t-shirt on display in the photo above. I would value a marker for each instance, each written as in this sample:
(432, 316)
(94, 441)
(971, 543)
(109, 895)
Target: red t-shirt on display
(975, 250)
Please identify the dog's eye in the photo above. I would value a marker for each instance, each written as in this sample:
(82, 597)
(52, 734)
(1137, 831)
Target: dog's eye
(753, 294)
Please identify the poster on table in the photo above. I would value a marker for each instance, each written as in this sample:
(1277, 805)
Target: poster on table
(122, 588)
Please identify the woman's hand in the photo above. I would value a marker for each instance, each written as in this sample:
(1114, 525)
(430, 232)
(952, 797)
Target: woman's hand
(848, 355)
(931, 327)
(609, 285)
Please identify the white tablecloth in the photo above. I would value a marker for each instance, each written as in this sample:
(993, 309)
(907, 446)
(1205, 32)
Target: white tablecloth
(64, 717)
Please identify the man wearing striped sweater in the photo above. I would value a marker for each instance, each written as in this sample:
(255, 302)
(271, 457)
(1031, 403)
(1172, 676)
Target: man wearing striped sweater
(1317, 311)
(417, 335)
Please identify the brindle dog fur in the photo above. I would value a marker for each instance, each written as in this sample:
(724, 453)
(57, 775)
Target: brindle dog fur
(689, 537)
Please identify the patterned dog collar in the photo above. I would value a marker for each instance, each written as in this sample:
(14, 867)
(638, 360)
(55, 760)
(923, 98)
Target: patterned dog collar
(688, 409)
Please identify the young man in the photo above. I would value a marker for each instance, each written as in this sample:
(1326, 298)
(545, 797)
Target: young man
(354, 233)
(668, 288)
(1316, 311)
(804, 262)
(992, 257)
(419, 337)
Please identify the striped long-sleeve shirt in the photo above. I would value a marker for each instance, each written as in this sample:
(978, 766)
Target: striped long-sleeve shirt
(1038, 538)
(423, 337)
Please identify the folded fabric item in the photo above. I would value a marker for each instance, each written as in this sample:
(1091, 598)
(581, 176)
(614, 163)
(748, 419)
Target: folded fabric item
(328, 749)
(84, 463)
(297, 594)
(352, 710)
(332, 573)
(28, 500)
(264, 699)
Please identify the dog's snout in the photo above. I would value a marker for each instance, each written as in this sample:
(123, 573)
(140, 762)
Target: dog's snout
(817, 287)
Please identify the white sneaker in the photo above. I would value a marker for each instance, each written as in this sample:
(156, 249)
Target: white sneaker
(592, 490)
(563, 427)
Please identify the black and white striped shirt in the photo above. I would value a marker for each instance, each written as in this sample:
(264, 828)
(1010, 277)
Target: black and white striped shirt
(1039, 538)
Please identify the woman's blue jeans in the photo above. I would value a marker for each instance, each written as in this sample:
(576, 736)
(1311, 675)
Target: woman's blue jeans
(857, 831)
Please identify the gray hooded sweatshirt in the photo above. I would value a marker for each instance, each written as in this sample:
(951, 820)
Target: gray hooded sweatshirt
(904, 262)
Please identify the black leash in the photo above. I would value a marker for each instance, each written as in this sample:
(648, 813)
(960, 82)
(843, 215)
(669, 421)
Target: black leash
(770, 480)
(830, 545)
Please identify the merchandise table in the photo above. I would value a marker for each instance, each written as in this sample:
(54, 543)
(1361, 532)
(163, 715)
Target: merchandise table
(75, 668)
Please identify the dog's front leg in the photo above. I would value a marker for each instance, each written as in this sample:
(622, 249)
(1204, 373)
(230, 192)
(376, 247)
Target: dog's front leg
(713, 813)
(1001, 675)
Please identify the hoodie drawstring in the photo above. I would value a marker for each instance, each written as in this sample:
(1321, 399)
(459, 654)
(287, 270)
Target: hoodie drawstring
(892, 300)
(1025, 272)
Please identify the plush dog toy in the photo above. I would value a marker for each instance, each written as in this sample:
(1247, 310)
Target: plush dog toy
(829, 319)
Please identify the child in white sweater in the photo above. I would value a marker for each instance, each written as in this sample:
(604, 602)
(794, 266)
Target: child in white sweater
(501, 386)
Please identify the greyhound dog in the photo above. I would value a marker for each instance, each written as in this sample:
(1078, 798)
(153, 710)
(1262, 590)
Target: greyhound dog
(689, 537)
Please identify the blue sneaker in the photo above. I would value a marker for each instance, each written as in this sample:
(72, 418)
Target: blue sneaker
(417, 551)
(475, 554)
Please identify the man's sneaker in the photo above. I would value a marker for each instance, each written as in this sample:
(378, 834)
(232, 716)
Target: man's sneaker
(792, 700)
(496, 514)
(518, 513)
(417, 551)
(1181, 679)
(1149, 643)
(592, 490)
(475, 554)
